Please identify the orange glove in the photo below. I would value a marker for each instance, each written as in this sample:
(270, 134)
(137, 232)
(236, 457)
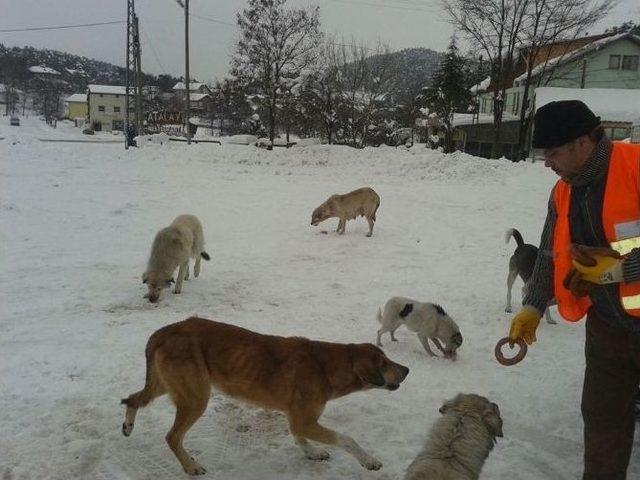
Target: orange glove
(524, 325)
(598, 265)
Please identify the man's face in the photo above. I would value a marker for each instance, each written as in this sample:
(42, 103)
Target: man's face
(566, 160)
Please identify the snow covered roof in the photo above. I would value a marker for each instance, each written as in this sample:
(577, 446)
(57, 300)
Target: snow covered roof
(192, 86)
(44, 70)
(196, 97)
(610, 104)
(108, 89)
(482, 86)
(77, 97)
(74, 71)
(468, 118)
(572, 55)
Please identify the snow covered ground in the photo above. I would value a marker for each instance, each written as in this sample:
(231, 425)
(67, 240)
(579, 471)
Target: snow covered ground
(76, 225)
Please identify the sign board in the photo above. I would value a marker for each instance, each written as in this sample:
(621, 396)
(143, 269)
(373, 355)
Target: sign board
(165, 118)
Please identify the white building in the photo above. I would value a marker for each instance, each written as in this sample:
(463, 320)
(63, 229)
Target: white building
(106, 106)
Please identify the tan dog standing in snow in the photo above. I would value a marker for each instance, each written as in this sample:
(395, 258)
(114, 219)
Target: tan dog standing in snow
(362, 202)
(171, 249)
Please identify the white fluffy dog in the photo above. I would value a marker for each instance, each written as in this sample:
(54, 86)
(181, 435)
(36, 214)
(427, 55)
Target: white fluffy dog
(428, 320)
(172, 248)
(459, 441)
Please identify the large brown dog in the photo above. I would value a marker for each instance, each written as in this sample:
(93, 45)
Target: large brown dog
(294, 375)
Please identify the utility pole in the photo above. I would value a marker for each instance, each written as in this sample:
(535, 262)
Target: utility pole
(133, 73)
(583, 77)
(138, 54)
(128, 63)
(186, 76)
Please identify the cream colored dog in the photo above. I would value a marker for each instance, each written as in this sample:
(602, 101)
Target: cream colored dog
(172, 248)
(459, 441)
(362, 202)
(428, 320)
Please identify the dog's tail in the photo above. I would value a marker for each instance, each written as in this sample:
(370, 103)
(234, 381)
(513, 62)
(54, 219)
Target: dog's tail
(512, 232)
(373, 217)
(205, 255)
(152, 384)
(379, 315)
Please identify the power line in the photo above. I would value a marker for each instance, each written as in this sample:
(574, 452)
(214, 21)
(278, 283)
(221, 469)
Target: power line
(153, 49)
(351, 46)
(213, 20)
(60, 27)
(380, 5)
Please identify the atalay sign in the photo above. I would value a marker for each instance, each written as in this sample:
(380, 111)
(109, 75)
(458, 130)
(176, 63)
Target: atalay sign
(165, 118)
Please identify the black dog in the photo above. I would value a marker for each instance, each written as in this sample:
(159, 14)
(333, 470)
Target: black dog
(521, 263)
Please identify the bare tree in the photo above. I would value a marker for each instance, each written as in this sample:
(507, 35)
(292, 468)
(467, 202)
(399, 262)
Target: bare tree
(275, 43)
(546, 23)
(364, 82)
(321, 89)
(494, 26)
(47, 98)
(13, 73)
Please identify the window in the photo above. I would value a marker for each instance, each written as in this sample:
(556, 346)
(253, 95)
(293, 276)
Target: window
(614, 62)
(116, 109)
(101, 108)
(117, 125)
(630, 62)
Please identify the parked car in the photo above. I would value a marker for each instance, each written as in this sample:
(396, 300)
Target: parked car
(15, 121)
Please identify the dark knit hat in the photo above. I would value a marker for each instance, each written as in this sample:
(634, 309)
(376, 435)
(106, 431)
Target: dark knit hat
(557, 123)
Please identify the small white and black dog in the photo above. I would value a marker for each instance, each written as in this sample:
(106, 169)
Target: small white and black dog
(521, 264)
(428, 320)
(460, 441)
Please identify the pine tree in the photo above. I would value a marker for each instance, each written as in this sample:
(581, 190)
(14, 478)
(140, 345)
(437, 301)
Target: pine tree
(449, 92)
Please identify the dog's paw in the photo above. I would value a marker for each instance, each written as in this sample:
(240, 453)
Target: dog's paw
(195, 468)
(507, 310)
(127, 428)
(371, 463)
(317, 454)
(176, 291)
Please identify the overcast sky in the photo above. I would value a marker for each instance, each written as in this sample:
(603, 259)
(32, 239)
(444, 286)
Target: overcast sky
(400, 23)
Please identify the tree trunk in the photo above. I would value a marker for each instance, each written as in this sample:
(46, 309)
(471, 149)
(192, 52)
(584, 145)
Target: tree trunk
(272, 119)
(496, 150)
